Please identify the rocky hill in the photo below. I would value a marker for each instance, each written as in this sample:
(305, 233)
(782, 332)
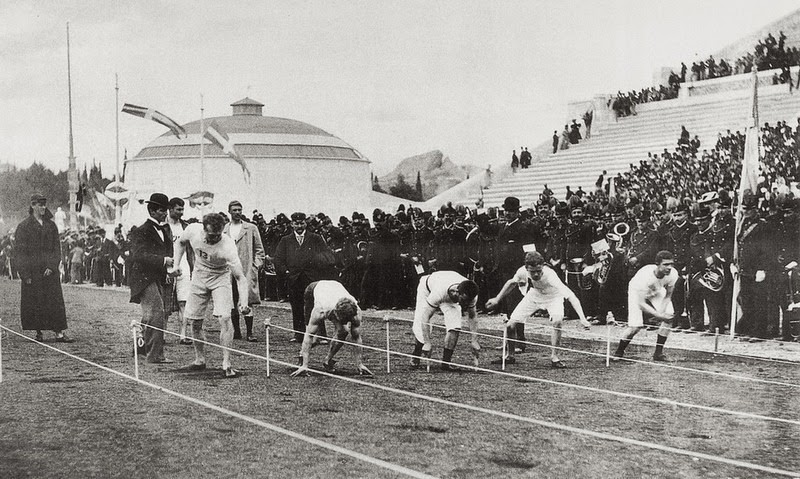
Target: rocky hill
(789, 24)
(436, 171)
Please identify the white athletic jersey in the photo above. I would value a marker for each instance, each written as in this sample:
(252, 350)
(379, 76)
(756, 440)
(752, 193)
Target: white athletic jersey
(210, 258)
(437, 284)
(645, 285)
(549, 288)
(328, 293)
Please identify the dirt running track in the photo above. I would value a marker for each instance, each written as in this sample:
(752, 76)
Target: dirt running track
(63, 418)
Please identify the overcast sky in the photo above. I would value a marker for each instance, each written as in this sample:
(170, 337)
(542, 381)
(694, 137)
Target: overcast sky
(474, 79)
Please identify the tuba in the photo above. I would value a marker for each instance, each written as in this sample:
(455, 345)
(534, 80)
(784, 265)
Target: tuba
(601, 250)
(711, 278)
(622, 229)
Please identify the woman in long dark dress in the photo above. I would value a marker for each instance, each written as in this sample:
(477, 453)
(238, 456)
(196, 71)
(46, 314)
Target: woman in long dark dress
(38, 253)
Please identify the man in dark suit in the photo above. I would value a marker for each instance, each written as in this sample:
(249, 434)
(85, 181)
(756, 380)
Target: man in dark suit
(151, 255)
(299, 254)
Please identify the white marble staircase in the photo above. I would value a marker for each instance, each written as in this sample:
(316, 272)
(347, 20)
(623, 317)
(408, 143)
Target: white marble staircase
(656, 126)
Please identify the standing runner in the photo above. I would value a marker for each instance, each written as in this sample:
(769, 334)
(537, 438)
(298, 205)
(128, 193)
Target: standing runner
(216, 259)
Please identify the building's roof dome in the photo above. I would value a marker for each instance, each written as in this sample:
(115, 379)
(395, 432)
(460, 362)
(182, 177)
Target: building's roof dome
(253, 135)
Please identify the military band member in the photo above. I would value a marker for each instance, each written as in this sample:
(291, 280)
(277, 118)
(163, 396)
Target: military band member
(752, 242)
(677, 241)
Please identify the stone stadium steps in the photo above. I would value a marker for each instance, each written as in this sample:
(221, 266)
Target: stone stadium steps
(656, 126)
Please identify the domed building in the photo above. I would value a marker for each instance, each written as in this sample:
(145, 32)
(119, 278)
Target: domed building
(287, 166)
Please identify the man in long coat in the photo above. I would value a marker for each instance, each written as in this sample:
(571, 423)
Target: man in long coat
(37, 254)
(251, 255)
(151, 255)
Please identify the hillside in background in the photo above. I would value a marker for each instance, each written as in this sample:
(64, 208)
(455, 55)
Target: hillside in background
(437, 173)
(789, 25)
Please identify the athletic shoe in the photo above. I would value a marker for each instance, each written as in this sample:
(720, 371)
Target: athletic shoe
(252, 339)
(39, 336)
(64, 339)
(415, 363)
(329, 367)
(196, 367)
(231, 373)
(617, 356)
(450, 367)
(660, 357)
(557, 365)
(186, 341)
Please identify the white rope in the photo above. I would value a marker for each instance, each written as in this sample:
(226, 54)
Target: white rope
(553, 425)
(665, 401)
(357, 455)
(548, 424)
(594, 336)
(649, 363)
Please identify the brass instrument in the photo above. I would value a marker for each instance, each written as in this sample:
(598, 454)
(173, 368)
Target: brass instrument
(601, 251)
(622, 229)
(711, 278)
(575, 269)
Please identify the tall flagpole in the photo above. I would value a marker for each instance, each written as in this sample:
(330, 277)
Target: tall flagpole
(202, 157)
(117, 206)
(72, 171)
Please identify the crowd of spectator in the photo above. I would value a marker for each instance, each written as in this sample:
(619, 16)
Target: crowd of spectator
(768, 54)
(571, 134)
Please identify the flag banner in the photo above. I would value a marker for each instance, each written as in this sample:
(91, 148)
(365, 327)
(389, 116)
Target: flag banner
(158, 117)
(751, 162)
(218, 137)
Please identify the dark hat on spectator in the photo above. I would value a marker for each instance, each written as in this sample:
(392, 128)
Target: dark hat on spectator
(725, 198)
(749, 201)
(378, 215)
(282, 219)
(562, 209)
(159, 199)
(343, 220)
(511, 204)
(298, 216)
(234, 203)
(701, 213)
(402, 207)
(36, 197)
(402, 217)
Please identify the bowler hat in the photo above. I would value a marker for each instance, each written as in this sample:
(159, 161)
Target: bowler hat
(159, 199)
(511, 204)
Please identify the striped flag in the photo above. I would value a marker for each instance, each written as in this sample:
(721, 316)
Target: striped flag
(158, 117)
(218, 137)
(752, 158)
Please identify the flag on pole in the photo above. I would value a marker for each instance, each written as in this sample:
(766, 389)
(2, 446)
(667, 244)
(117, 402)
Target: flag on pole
(218, 137)
(158, 117)
(749, 181)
